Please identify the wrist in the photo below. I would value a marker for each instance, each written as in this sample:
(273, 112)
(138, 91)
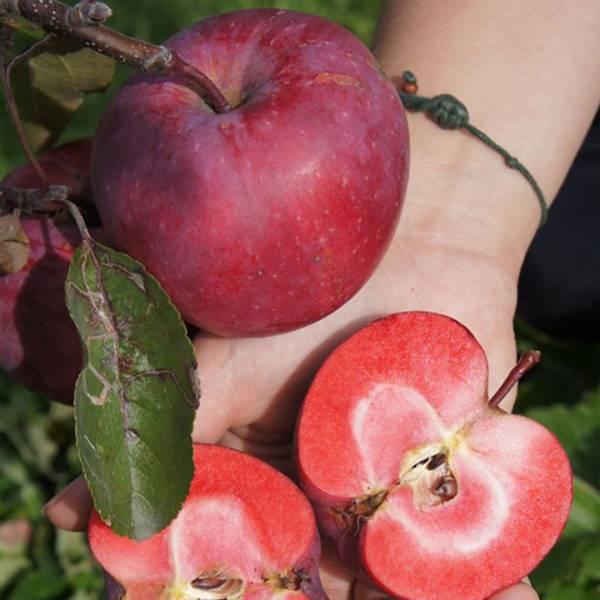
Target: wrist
(461, 195)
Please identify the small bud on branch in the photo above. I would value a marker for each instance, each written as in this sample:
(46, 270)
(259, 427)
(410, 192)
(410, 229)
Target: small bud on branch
(88, 12)
(83, 23)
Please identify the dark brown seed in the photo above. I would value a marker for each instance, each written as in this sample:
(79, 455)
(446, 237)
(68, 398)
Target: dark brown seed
(435, 461)
(446, 488)
(207, 583)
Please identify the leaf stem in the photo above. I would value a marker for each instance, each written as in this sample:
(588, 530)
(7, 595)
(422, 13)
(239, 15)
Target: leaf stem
(79, 221)
(527, 361)
(11, 104)
(83, 23)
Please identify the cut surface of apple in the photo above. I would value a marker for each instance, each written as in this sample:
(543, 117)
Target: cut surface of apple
(421, 484)
(245, 531)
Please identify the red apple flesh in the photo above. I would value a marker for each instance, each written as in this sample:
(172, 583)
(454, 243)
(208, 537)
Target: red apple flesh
(272, 215)
(422, 485)
(245, 531)
(39, 344)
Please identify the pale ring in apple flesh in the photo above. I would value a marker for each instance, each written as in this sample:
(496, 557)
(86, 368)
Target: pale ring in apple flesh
(423, 486)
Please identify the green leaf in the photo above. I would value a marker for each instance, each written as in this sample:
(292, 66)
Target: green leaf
(590, 569)
(575, 557)
(50, 85)
(569, 592)
(10, 567)
(585, 512)
(45, 584)
(578, 429)
(136, 396)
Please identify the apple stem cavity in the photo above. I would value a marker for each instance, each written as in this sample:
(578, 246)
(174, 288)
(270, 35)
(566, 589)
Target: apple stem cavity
(359, 510)
(527, 361)
(83, 22)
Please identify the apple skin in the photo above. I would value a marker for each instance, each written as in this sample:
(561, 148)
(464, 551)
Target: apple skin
(397, 393)
(272, 215)
(241, 516)
(67, 164)
(39, 345)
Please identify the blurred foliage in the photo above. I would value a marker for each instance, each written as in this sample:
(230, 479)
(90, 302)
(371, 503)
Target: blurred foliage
(37, 453)
(563, 393)
(37, 459)
(155, 21)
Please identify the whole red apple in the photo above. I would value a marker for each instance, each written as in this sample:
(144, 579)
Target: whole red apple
(272, 215)
(39, 344)
(244, 532)
(422, 483)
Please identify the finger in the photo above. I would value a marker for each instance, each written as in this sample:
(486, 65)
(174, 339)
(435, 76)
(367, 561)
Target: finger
(366, 591)
(70, 509)
(336, 580)
(216, 408)
(521, 591)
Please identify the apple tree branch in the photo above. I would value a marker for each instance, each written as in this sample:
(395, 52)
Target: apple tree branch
(83, 22)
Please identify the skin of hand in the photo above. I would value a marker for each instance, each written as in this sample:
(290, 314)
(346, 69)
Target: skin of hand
(528, 74)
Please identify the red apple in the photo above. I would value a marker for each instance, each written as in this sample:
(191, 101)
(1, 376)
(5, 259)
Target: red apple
(39, 344)
(421, 483)
(272, 215)
(67, 164)
(245, 531)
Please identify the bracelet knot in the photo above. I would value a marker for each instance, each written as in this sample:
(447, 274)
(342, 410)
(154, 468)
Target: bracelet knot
(447, 111)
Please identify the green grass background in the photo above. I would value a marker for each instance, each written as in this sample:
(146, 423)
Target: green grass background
(37, 455)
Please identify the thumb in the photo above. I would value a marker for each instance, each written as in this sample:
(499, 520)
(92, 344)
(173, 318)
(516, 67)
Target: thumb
(521, 591)
(365, 591)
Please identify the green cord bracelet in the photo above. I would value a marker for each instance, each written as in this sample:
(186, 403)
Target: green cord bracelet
(450, 113)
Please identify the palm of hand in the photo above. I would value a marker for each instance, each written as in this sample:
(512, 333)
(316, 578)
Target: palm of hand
(252, 388)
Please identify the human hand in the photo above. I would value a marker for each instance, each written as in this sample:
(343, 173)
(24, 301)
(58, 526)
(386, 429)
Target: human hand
(465, 230)
(252, 388)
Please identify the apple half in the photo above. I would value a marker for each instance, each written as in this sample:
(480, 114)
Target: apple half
(244, 532)
(421, 483)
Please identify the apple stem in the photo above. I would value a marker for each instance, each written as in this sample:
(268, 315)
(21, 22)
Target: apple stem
(83, 22)
(527, 361)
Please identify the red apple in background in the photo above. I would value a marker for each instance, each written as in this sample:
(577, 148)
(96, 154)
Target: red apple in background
(423, 485)
(272, 215)
(67, 164)
(245, 531)
(39, 344)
